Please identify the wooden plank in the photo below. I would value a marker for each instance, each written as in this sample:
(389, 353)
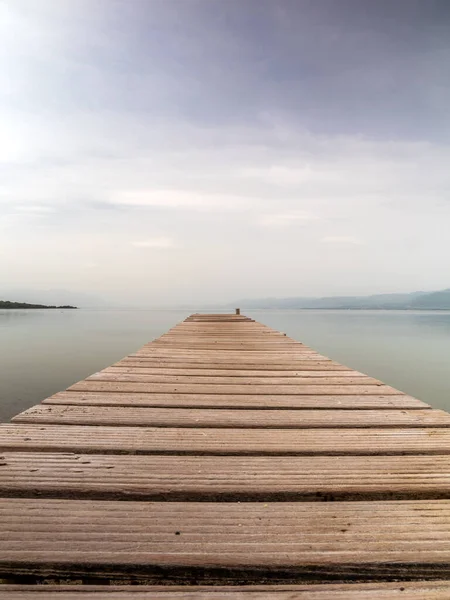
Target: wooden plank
(400, 590)
(230, 418)
(260, 348)
(245, 401)
(235, 375)
(189, 329)
(220, 319)
(227, 541)
(236, 346)
(233, 340)
(238, 357)
(227, 337)
(234, 333)
(236, 339)
(321, 370)
(274, 390)
(218, 355)
(240, 354)
(214, 356)
(217, 317)
(310, 379)
(223, 478)
(214, 441)
(216, 363)
(217, 368)
(217, 337)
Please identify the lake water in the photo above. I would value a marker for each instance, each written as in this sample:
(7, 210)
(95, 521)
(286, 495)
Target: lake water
(43, 352)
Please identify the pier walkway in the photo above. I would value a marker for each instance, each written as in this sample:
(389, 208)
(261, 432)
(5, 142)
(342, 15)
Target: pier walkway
(225, 460)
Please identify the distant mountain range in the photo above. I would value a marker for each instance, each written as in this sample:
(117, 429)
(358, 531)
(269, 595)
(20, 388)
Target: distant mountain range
(439, 300)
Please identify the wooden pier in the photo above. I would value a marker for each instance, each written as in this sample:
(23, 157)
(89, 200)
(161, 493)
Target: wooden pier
(225, 460)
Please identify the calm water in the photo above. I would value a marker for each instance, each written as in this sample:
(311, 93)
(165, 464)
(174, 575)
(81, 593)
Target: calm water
(42, 352)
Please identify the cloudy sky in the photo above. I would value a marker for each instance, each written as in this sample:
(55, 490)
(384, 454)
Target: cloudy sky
(172, 151)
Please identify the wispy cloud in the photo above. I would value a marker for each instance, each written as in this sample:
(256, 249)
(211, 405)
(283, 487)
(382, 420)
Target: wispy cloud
(285, 219)
(180, 199)
(156, 242)
(285, 175)
(35, 209)
(340, 239)
(115, 143)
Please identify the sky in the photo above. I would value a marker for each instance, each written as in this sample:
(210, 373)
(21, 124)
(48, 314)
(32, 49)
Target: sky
(164, 152)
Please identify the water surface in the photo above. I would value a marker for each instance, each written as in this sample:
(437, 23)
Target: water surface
(45, 351)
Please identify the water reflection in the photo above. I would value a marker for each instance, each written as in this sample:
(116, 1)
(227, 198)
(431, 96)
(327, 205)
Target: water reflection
(42, 352)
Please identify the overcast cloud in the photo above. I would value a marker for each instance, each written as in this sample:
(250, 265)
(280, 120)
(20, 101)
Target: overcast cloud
(177, 151)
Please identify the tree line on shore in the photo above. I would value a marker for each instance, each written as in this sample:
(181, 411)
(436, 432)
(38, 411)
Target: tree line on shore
(9, 304)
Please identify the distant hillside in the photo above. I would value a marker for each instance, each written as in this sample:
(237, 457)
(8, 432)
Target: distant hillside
(414, 300)
(8, 304)
(53, 296)
(437, 300)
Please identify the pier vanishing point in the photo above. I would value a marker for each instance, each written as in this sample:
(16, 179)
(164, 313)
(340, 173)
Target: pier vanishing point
(225, 460)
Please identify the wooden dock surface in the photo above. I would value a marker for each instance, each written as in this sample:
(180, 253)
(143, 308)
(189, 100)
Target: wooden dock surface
(226, 460)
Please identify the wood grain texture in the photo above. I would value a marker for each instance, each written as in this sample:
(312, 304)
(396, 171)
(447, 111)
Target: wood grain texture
(223, 478)
(214, 441)
(230, 418)
(186, 388)
(223, 540)
(239, 362)
(242, 347)
(308, 379)
(431, 590)
(238, 355)
(242, 401)
(230, 368)
(253, 376)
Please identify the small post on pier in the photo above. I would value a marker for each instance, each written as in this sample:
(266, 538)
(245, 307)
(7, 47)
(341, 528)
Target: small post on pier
(238, 311)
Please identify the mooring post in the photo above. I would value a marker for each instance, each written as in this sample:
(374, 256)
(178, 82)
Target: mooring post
(238, 311)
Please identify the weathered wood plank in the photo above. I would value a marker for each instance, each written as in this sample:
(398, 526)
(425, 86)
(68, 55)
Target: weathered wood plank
(183, 388)
(236, 346)
(214, 441)
(351, 402)
(115, 375)
(227, 336)
(223, 478)
(224, 344)
(232, 369)
(248, 355)
(223, 541)
(226, 355)
(304, 362)
(400, 590)
(236, 340)
(217, 318)
(234, 418)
